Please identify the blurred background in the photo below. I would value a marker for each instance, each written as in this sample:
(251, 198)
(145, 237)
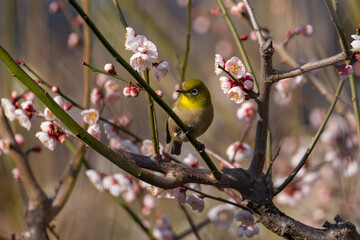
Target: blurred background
(41, 37)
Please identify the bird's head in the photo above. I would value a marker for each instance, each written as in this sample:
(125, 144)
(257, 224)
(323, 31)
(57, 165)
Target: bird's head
(195, 91)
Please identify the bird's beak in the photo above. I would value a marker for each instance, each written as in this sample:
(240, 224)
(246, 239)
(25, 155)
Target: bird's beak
(181, 91)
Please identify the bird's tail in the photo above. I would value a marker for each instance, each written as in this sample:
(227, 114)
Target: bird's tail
(176, 148)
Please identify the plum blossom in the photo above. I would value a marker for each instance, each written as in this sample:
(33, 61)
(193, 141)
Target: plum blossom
(248, 231)
(110, 130)
(96, 96)
(141, 45)
(242, 152)
(235, 67)
(51, 134)
(161, 70)
(94, 130)
(29, 109)
(222, 215)
(5, 146)
(238, 8)
(23, 119)
(46, 140)
(116, 184)
(345, 71)
(49, 116)
(355, 43)
(247, 111)
(163, 229)
(196, 203)
(149, 203)
(286, 86)
(60, 101)
(130, 146)
(147, 148)
(226, 84)
(236, 94)
(19, 139)
(96, 178)
(131, 91)
(219, 61)
(90, 116)
(16, 174)
(129, 37)
(244, 217)
(176, 193)
(140, 62)
(293, 194)
(9, 109)
(191, 161)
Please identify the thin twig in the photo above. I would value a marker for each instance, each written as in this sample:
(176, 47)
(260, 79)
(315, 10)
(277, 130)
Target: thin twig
(152, 116)
(187, 46)
(192, 225)
(254, 22)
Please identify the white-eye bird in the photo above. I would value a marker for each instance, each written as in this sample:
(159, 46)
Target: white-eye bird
(195, 109)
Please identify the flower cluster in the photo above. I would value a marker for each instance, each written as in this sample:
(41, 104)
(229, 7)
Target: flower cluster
(106, 93)
(117, 184)
(238, 151)
(235, 90)
(344, 71)
(163, 230)
(222, 215)
(247, 226)
(144, 50)
(91, 116)
(51, 134)
(306, 31)
(25, 112)
(285, 87)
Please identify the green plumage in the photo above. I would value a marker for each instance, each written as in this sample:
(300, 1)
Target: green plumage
(195, 109)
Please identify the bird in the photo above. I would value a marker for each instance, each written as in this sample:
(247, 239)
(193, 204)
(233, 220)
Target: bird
(195, 109)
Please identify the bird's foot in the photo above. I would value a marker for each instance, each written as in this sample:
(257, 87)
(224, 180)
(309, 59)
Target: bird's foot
(202, 148)
(188, 130)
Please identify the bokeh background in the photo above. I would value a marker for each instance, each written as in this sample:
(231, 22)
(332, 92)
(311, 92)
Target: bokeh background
(34, 35)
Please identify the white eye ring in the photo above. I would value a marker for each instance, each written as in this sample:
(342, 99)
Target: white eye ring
(194, 92)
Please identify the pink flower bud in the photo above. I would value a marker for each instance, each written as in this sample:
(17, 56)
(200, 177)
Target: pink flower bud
(248, 85)
(16, 174)
(14, 95)
(19, 139)
(62, 138)
(243, 37)
(298, 29)
(78, 20)
(29, 96)
(96, 96)
(18, 62)
(127, 90)
(55, 7)
(288, 34)
(74, 40)
(159, 93)
(109, 68)
(134, 92)
(214, 11)
(67, 106)
(55, 89)
(37, 149)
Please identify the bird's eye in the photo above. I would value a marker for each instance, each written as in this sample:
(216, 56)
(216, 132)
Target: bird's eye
(194, 92)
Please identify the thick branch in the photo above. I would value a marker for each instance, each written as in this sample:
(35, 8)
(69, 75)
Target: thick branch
(258, 159)
(278, 75)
